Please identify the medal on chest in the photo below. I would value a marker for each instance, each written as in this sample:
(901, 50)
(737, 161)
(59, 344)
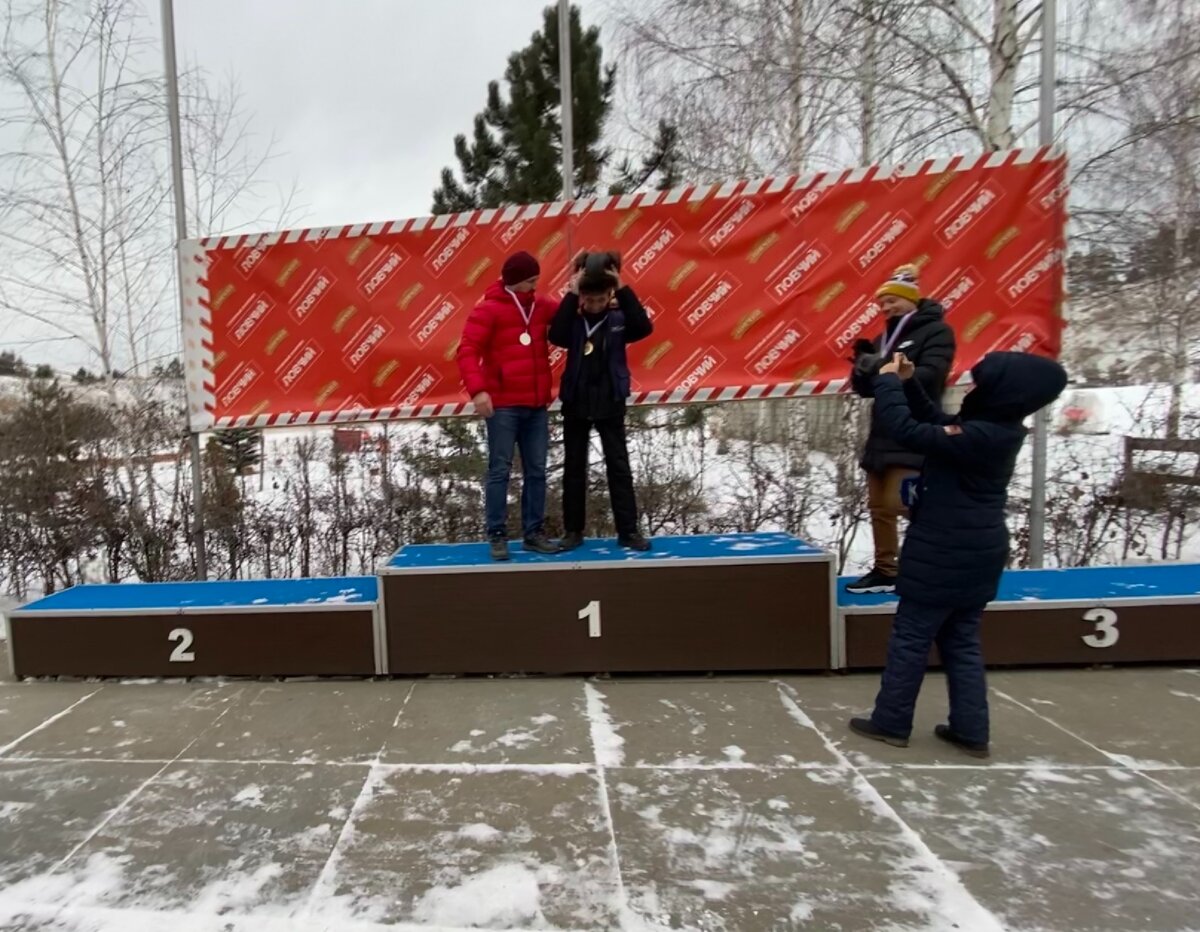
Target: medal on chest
(525, 339)
(588, 346)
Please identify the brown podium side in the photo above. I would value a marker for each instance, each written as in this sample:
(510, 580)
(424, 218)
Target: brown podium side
(1084, 633)
(241, 628)
(673, 611)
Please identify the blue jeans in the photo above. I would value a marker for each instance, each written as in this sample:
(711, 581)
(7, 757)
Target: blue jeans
(526, 429)
(914, 631)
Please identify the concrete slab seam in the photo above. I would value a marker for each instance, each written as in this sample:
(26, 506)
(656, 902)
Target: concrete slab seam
(48, 722)
(954, 892)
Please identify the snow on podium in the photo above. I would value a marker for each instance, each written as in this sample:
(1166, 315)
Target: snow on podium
(730, 603)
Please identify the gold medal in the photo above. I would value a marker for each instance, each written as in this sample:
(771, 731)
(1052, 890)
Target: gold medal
(526, 339)
(588, 348)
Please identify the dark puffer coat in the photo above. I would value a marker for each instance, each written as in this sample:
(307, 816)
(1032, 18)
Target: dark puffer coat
(957, 545)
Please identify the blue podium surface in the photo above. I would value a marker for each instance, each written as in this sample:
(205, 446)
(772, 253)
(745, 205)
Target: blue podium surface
(606, 553)
(1165, 583)
(185, 597)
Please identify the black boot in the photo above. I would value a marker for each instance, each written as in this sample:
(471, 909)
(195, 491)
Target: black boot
(866, 728)
(499, 548)
(540, 543)
(572, 540)
(634, 541)
(974, 748)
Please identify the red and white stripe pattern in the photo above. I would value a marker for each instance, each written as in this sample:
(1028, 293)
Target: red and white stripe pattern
(198, 319)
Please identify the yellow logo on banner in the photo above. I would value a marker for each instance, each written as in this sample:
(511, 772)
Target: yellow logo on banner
(357, 250)
(384, 372)
(219, 358)
(807, 372)
(1001, 241)
(325, 392)
(747, 322)
(550, 242)
(939, 185)
(222, 297)
(681, 274)
(273, 343)
(829, 294)
(626, 222)
(261, 408)
(343, 318)
(761, 247)
(288, 271)
(477, 270)
(656, 354)
(407, 298)
(451, 351)
(846, 220)
(976, 327)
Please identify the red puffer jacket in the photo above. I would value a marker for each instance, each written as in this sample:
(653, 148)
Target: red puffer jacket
(491, 357)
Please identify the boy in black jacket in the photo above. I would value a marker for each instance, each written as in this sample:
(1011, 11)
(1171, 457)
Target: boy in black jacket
(594, 323)
(957, 544)
(917, 328)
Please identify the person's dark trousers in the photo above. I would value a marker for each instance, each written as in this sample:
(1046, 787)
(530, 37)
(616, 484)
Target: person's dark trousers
(576, 443)
(956, 632)
(526, 429)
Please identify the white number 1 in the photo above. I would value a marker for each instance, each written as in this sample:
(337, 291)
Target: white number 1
(1105, 620)
(591, 614)
(181, 654)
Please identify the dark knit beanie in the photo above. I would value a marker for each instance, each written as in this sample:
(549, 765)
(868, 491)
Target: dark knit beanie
(519, 267)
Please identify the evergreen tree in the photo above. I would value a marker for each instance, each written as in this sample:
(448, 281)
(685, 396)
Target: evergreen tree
(12, 364)
(515, 154)
(660, 170)
(240, 447)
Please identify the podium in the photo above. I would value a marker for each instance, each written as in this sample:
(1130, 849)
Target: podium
(1088, 615)
(692, 604)
(280, 627)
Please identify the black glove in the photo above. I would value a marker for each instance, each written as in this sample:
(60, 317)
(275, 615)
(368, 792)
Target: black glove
(867, 365)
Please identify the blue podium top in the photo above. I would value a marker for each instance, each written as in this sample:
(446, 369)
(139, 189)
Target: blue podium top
(599, 554)
(199, 596)
(1092, 584)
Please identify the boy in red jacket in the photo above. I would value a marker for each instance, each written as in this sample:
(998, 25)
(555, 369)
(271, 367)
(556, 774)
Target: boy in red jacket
(504, 359)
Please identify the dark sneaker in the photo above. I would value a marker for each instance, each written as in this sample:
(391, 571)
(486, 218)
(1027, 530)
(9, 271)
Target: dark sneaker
(974, 748)
(873, 582)
(499, 548)
(540, 543)
(866, 728)
(634, 542)
(571, 541)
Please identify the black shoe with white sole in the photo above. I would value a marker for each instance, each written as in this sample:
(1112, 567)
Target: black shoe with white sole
(874, 582)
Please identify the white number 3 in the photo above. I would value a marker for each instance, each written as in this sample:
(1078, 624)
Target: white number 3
(1106, 634)
(181, 654)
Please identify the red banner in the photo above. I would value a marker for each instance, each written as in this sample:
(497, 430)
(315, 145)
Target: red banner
(757, 289)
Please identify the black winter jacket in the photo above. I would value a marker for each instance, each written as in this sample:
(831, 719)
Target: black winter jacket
(627, 323)
(929, 342)
(957, 545)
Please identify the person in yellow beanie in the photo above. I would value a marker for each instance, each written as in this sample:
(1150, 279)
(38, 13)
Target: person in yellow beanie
(915, 326)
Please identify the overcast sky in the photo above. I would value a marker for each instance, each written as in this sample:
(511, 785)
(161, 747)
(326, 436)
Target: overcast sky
(363, 96)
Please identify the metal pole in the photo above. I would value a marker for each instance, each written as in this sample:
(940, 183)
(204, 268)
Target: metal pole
(1041, 420)
(568, 114)
(172, 74)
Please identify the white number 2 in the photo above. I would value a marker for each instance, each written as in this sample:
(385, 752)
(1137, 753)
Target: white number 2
(181, 654)
(591, 614)
(1105, 620)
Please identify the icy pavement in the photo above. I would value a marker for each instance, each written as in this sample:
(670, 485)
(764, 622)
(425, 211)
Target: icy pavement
(733, 804)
